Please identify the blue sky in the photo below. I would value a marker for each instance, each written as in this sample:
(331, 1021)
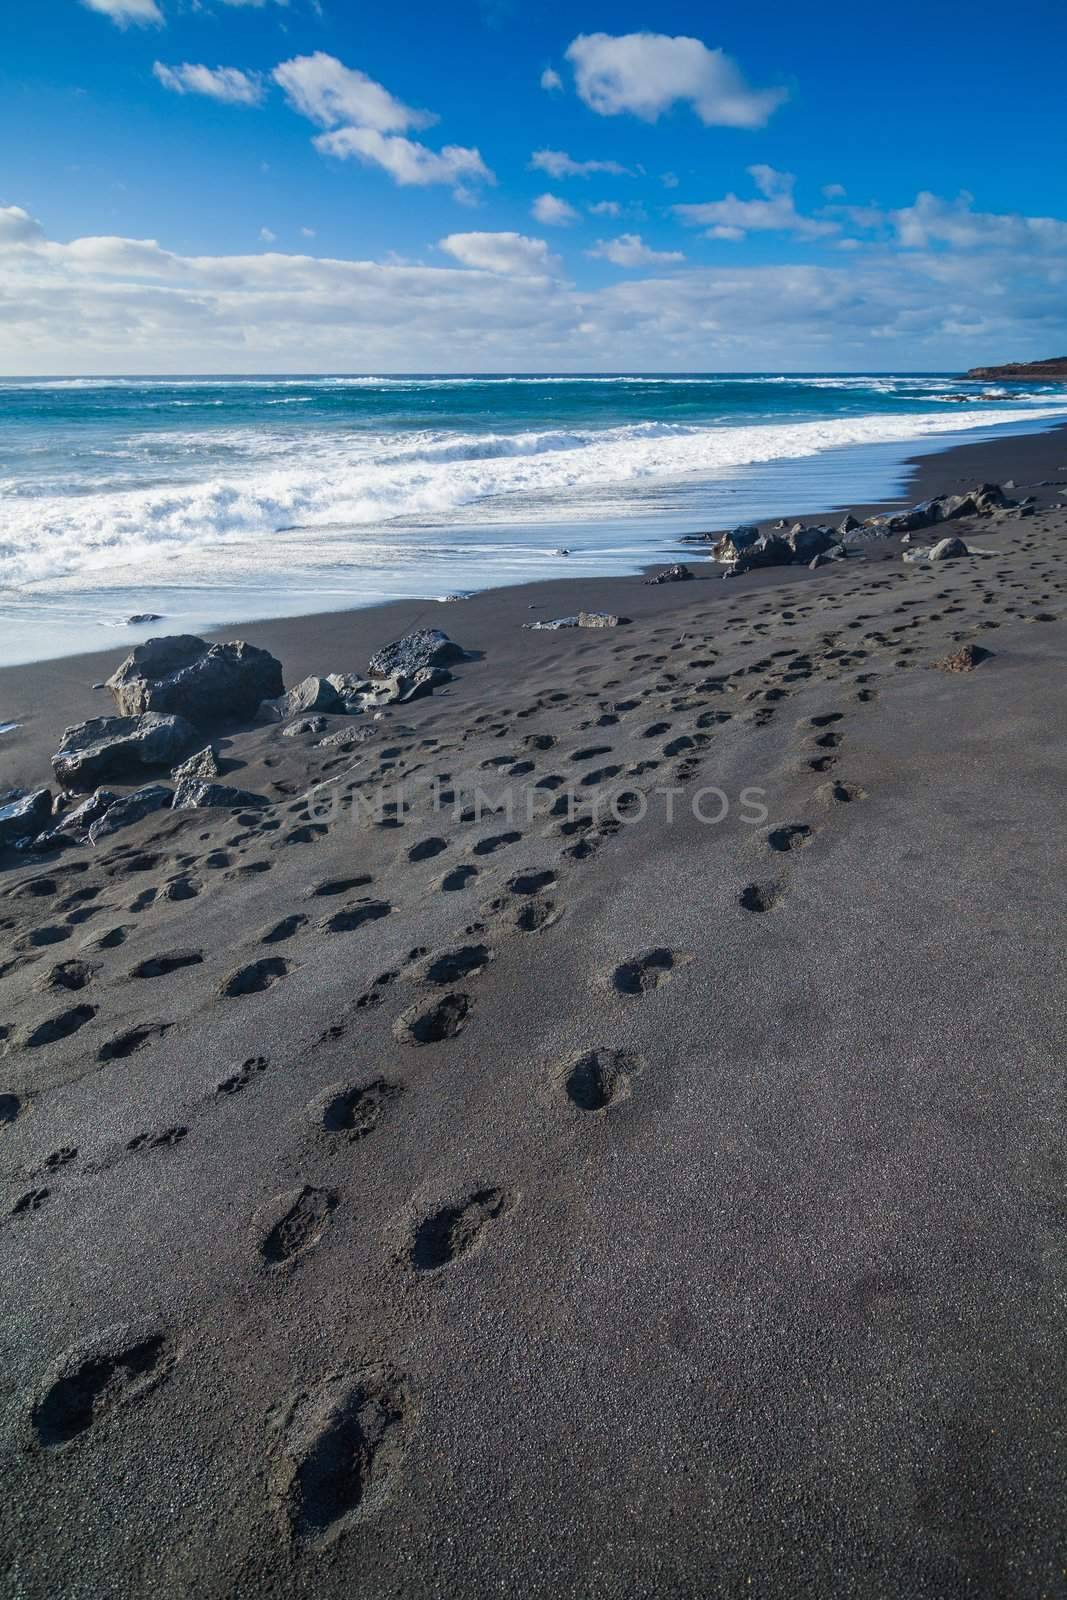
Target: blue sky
(291, 185)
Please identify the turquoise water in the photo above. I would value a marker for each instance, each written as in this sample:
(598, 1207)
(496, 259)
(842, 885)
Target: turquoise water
(213, 500)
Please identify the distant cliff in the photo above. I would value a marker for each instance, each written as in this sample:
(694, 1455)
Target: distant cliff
(1054, 371)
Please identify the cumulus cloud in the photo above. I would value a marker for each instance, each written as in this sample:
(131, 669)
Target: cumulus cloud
(731, 218)
(267, 236)
(630, 250)
(648, 73)
(18, 227)
(406, 161)
(955, 223)
(553, 212)
(605, 208)
(558, 164)
(228, 84)
(834, 191)
(327, 92)
(500, 252)
(143, 13)
(109, 304)
(368, 124)
(550, 79)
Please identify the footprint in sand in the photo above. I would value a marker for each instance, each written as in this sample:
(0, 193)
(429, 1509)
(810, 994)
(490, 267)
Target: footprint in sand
(256, 978)
(432, 1021)
(163, 1139)
(353, 917)
(246, 1074)
(760, 896)
(338, 1447)
(455, 965)
(838, 793)
(169, 961)
(125, 1044)
(353, 1110)
(791, 836)
(285, 929)
(59, 1027)
(293, 1223)
(116, 1369)
(333, 886)
(648, 970)
(451, 1232)
(71, 975)
(597, 1079)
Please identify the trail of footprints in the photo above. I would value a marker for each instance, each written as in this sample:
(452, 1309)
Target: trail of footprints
(336, 1445)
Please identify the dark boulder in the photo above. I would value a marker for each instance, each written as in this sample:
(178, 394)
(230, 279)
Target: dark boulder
(206, 683)
(807, 543)
(193, 795)
(131, 808)
(427, 648)
(675, 574)
(204, 765)
(73, 826)
(400, 688)
(312, 694)
(23, 819)
(116, 747)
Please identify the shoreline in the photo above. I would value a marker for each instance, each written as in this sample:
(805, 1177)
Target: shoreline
(43, 697)
(621, 539)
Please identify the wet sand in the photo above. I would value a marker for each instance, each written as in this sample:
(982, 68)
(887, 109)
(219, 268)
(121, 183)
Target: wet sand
(593, 1197)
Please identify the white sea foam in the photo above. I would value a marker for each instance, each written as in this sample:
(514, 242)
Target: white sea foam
(326, 482)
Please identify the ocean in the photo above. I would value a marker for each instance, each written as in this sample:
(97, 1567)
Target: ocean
(216, 500)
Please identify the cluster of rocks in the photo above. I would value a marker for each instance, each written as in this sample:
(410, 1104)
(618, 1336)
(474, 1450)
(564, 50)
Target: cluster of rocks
(166, 692)
(584, 619)
(747, 547)
(675, 574)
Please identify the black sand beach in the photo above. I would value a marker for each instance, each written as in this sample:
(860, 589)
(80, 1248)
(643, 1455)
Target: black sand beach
(607, 1203)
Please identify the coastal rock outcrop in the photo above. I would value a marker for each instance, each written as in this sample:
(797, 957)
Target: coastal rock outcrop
(399, 688)
(204, 764)
(116, 747)
(131, 808)
(429, 647)
(310, 695)
(675, 574)
(193, 795)
(190, 678)
(23, 819)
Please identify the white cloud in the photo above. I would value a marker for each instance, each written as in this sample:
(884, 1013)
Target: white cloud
(307, 233)
(367, 123)
(550, 79)
(932, 220)
(501, 252)
(228, 84)
(406, 161)
(630, 250)
(267, 236)
(18, 227)
(558, 164)
(834, 191)
(648, 73)
(144, 13)
(112, 305)
(731, 218)
(553, 212)
(327, 92)
(670, 180)
(605, 208)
